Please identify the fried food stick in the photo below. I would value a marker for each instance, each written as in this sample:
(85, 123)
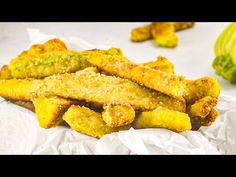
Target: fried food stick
(195, 89)
(84, 120)
(200, 88)
(49, 110)
(5, 73)
(142, 33)
(102, 89)
(164, 118)
(53, 62)
(42, 65)
(118, 115)
(19, 89)
(203, 107)
(183, 25)
(164, 34)
(161, 64)
(168, 84)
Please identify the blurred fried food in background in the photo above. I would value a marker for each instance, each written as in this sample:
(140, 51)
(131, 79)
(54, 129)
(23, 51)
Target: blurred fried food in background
(163, 33)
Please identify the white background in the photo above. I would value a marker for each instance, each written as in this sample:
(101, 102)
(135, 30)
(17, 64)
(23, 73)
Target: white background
(192, 57)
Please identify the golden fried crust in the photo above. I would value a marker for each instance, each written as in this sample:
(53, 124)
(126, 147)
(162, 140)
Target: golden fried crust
(49, 110)
(5, 73)
(164, 34)
(203, 107)
(141, 33)
(183, 25)
(210, 119)
(118, 115)
(168, 84)
(164, 118)
(84, 120)
(162, 64)
(200, 88)
(19, 89)
(102, 89)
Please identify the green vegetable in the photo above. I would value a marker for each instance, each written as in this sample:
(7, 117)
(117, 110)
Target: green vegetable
(225, 51)
(225, 67)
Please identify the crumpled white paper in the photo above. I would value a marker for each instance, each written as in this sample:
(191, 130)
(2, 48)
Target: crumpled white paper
(21, 134)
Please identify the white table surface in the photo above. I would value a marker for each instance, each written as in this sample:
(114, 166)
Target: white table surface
(192, 57)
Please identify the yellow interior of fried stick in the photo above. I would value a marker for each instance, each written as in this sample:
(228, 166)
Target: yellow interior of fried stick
(118, 115)
(49, 110)
(87, 121)
(164, 118)
(163, 33)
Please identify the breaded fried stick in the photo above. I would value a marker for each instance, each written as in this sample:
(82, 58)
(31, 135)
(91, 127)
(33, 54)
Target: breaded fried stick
(118, 115)
(55, 62)
(200, 88)
(102, 89)
(168, 84)
(42, 65)
(49, 110)
(164, 118)
(87, 121)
